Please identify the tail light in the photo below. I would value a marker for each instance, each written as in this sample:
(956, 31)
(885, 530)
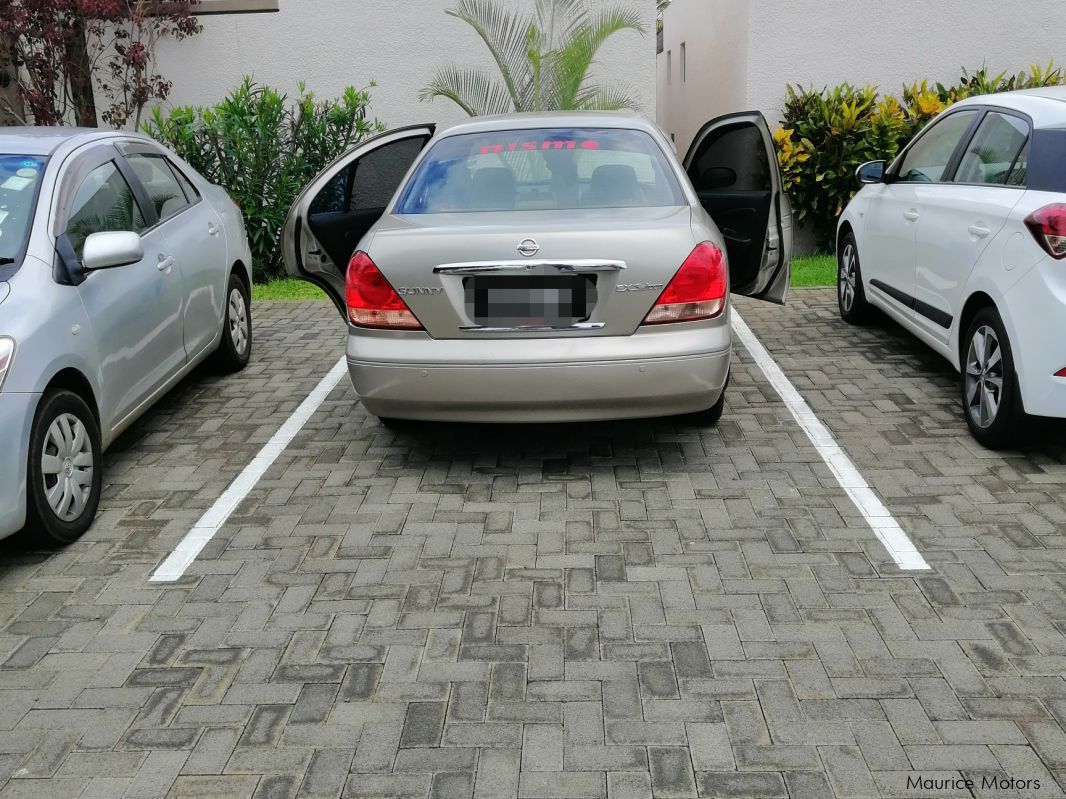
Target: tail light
(371, 299)
(1048, 226)
(697, 291)
(1061, 372)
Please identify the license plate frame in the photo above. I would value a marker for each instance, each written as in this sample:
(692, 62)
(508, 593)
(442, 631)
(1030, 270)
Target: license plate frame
(542, 302)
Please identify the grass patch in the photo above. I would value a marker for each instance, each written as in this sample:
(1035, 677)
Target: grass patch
(287, 289)
(814, 270)
(811, 270)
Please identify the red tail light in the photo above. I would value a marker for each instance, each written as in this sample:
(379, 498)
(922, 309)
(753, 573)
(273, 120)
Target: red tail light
(1048, 225)
(1061, 372)
(697, 291)
(371, 299)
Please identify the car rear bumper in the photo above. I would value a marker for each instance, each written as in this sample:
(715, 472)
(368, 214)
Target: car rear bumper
(16, 419)
(543, 380)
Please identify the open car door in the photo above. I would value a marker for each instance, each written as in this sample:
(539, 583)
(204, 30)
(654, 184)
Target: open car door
(342, 203)
(732, 164)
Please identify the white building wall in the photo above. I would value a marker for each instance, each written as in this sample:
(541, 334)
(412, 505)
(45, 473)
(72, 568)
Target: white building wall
(331, 44)
(827, 42)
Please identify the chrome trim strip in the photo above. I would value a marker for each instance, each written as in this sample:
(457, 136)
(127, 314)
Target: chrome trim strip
(534, 328)
(586, 266)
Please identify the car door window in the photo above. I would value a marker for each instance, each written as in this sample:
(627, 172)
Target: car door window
(164, 191)
(998, 152)
(714, 166)
(379, 172)
(929, 157)
(104, 202)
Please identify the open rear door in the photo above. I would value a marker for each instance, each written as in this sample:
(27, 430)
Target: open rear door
(342, 203)
(732, 164)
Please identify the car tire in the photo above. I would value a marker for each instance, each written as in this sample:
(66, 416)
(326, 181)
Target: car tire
(65, 470)
(711, 416)
(235, 349)
(991, 398)
(851, 297)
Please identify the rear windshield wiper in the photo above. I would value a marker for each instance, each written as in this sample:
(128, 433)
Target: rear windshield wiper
(5, 261)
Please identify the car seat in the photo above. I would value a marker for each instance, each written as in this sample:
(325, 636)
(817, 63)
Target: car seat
(613, 186)
(494, 189)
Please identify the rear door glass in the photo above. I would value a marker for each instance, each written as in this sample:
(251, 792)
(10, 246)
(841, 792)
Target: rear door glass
(998, 152)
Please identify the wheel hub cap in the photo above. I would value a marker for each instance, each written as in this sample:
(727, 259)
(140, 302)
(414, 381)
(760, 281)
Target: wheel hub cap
(67, 467)
(238, 321)
(984, 377)
(847, 278)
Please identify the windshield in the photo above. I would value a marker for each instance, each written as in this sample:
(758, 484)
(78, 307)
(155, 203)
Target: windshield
(542, 169)
(20, 177)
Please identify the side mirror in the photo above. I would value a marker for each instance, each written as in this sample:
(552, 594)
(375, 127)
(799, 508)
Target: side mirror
(871, 172)
(718, 177)
(111, 249)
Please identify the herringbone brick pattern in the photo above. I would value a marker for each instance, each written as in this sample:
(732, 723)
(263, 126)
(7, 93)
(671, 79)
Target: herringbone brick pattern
(625, 610)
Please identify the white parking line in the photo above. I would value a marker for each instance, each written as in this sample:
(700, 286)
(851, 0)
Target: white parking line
(885, 527)
(211, 522)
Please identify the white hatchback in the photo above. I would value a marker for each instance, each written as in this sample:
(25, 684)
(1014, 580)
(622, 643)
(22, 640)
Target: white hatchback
(962, 240)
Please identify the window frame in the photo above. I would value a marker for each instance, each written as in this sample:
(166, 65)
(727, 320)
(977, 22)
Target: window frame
(972, 134)
(956, 156)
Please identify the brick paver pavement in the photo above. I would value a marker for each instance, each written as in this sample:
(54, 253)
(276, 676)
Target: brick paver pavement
(622, 610)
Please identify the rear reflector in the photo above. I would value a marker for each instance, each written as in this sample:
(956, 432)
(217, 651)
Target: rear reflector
(697, 291)
(1048, 226)
(371, 299)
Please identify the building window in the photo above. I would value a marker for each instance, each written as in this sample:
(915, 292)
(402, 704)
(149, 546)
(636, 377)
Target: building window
(206, 7)
(684, 63)
(669, 67)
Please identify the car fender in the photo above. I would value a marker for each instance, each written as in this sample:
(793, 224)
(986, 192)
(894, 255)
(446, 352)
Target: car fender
(981, 281)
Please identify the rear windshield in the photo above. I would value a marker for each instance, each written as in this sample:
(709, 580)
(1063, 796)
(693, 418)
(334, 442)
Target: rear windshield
(20, 177)
(541, 169)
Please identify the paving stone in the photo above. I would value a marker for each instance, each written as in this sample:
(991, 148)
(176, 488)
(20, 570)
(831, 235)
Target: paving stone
(458, 610)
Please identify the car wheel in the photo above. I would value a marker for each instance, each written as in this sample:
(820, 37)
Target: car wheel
(65, 469)
(851, 298)
(235, 349)
(990, 398)
(711, 416)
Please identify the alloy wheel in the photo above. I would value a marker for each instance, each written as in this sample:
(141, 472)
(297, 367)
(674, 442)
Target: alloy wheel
(238, 320)
(67, 467)
(847, 278)
(984, 377)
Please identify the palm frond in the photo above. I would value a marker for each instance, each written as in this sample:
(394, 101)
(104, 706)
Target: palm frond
(504, 34)
(574, 60)
(610, 97)
(473, 90)
(544, 59)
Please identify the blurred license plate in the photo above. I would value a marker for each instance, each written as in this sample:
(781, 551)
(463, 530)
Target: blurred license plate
(556, 301)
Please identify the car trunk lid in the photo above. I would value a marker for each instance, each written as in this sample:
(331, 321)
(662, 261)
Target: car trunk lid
(532, 273)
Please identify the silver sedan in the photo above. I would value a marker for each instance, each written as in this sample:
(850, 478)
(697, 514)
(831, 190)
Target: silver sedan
(121, 269)
(551, 267)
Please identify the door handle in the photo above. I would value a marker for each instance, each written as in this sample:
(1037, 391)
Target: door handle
(165, 262)
(212, 229)
(911, 216)
(980, 231)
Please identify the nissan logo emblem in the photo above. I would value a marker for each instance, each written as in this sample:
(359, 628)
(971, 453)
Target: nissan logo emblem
(529, 248)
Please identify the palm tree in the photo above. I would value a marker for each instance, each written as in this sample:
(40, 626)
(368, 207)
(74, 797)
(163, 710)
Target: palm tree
(543, 58)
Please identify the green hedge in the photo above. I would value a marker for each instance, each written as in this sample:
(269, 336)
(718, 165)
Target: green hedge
(263, 149)
(826, 134)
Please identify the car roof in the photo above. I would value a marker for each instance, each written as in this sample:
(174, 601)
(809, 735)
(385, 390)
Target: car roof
(628, 120)
(1046, 106)
(42, 141)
